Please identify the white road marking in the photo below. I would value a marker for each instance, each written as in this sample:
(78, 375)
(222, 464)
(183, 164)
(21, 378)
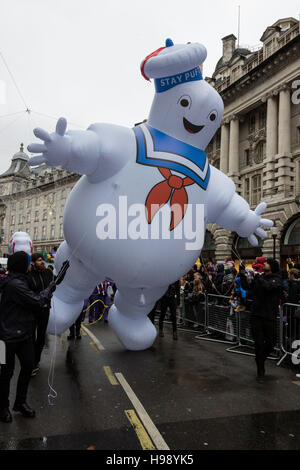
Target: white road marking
(93, 337)
(144, 417)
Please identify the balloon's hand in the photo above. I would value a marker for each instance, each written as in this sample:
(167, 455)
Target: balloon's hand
(260, 223)
(56, 147)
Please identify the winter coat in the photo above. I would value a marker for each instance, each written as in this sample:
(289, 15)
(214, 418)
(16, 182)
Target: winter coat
(265, 291)
(18, 307)
(39, 279)
(293, 292)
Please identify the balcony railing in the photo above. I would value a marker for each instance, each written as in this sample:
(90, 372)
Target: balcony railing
(262, 54)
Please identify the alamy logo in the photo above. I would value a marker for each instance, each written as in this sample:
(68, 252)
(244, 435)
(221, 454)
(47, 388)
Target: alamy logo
(296, 93)
(2, 352)
(296, 354)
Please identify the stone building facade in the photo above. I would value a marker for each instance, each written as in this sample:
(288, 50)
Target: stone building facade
(258, 143)
(33, 200)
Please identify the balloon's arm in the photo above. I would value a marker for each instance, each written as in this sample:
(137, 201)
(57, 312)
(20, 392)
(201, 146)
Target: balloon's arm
(89, 152)
(233, 213)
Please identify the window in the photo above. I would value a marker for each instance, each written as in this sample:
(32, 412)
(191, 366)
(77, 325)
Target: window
(36, 217)
(28, 216)
(35, 233)
(20, 218)
(29, 203)
(13, 206)
(21, 205)
(52, 232)
(247, 157)
(12, 222)
(252, 123)
(247, 189)
(45, 214)
(256, 190)
(61, 231)
(37, 201)
(43, 233)
(262, 119)
(260, 152)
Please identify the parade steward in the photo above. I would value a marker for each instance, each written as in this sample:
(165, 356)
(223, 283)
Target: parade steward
(18, 309)
(265, 291)
(39, 279)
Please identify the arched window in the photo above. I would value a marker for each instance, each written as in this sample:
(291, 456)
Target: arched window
(292, 236)
(290, 243)
(242, 248)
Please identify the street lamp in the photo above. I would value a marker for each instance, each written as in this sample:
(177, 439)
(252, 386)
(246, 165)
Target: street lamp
(274, 232)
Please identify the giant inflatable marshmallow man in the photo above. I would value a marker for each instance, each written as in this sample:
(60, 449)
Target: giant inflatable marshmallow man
(159, 165)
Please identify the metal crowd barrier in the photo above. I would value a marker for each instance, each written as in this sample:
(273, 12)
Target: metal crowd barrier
(221, 322)
(290, 330)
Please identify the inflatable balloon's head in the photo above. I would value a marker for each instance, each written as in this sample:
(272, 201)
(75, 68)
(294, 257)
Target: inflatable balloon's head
(185, 106)
(20, 241)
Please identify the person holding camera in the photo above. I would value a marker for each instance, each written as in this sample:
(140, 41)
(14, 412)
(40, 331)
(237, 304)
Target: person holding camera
(18, 308)
(264, 290)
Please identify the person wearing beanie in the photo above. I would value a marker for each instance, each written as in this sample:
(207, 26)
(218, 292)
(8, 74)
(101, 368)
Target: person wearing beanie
(39, 279)
(265, 291)
(18, 307)
(258, 266)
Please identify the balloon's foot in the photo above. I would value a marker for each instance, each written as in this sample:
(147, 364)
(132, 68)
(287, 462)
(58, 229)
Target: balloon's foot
(136, 333)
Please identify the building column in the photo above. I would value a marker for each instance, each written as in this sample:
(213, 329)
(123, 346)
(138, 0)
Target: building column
(224, 152)
(271, 142)
(284, 165)
(234, 146)
(284, 125)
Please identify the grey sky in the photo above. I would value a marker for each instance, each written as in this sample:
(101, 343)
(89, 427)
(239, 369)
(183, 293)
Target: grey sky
(80, 59)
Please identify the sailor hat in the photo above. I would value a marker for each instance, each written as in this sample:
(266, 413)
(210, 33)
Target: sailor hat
(174, 64)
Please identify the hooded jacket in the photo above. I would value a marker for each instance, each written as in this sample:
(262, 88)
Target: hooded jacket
(18, 307)
(265, 291)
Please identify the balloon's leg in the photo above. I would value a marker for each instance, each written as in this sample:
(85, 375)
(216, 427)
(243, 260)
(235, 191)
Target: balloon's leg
(128, 316)
(67, 301)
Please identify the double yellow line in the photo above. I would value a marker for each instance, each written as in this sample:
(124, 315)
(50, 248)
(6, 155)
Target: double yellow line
(146, 431)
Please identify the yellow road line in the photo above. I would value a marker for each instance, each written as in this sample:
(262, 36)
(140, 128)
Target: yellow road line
(150, 427)
(94, 347)
(111, 377)
(83, 332)
(140, 431)
(93, 338)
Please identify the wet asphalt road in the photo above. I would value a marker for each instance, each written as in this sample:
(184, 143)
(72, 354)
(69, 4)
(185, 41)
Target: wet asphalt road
(198, 396)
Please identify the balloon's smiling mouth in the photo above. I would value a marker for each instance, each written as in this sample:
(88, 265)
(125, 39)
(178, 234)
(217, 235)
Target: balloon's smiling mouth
(190, 127)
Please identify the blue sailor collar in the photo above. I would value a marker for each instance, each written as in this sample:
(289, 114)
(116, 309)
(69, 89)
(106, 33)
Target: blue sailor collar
(155, 148)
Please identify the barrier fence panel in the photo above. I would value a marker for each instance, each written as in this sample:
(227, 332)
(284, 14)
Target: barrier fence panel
(290, 330)
(221, 320)
(245, 344)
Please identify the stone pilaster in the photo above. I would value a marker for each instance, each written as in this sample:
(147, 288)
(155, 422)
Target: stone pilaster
(234, 146)
(224, 153)
(271, 143)
(284, 165)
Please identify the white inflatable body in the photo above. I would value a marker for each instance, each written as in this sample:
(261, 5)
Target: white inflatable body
(20, 241)
(159, 162)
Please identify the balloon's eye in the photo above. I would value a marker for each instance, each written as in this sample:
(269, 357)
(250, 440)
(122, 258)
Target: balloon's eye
(213, 117)
(184, 102)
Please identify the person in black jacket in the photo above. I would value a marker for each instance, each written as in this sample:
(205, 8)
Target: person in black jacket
(265, 291)
(39, 279)
(17, 321)
(171, 299)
